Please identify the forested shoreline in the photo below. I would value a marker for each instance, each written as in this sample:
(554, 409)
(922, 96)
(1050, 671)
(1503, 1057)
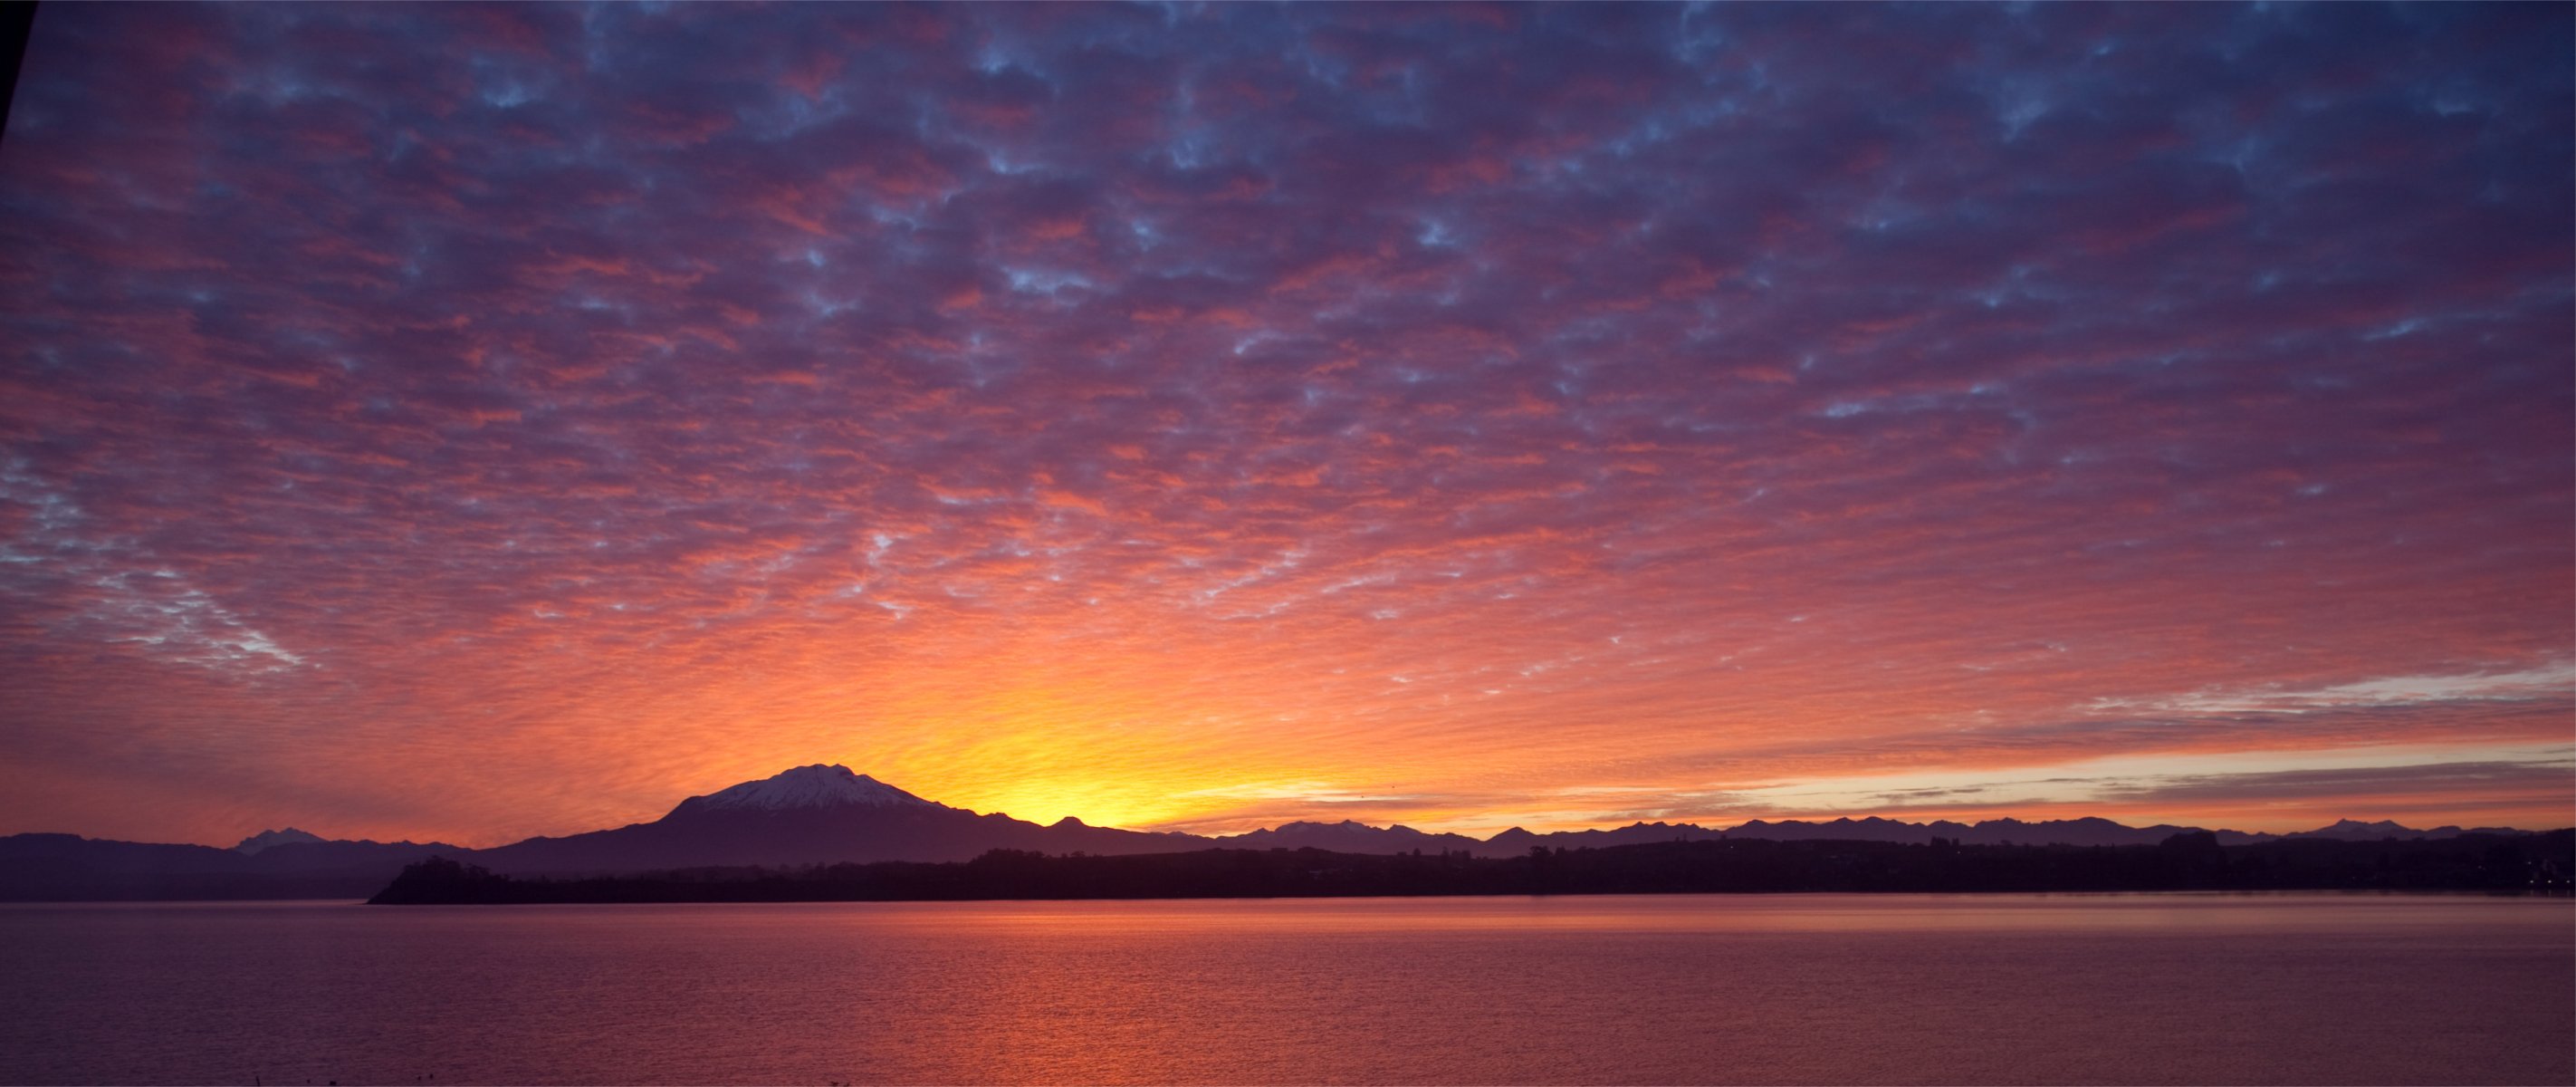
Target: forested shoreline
(2528, 863)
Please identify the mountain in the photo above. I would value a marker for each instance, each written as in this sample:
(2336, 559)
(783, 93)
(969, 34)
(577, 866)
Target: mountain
(1347, 836)
(828, 814)
(831, 815)
(811, 815)
(2354, 830)
(67, 867)
(267, 838)
(816, 786)
(2084, 831)
(1517, 841)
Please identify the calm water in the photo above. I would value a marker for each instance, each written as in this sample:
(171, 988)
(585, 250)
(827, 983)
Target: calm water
(1681, 989)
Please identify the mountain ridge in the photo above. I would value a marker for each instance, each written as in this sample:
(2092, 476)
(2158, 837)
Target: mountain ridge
(821, 814)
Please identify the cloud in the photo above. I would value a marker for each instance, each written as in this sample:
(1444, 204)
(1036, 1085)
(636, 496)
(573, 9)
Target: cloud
(1041, 406)
(2545, 780)
(2552, 685)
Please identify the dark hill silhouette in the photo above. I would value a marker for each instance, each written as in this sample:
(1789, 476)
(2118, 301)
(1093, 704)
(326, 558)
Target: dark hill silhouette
(2193, 861)
(2087, 830)
(2354, 830)
(1347, 836)
(271, 839)
(67, 867)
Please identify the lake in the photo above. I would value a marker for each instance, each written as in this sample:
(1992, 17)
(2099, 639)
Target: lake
(2167, 988)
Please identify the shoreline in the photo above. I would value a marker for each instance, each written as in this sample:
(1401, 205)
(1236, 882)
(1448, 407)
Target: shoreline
(2537, 864)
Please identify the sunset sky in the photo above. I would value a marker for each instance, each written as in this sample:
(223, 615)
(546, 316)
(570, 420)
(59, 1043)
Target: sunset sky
(464, 423)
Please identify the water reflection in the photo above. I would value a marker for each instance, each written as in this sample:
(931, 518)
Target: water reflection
(1682, 989)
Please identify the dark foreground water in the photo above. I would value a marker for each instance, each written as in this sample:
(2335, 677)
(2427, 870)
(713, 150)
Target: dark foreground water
(1680, 989)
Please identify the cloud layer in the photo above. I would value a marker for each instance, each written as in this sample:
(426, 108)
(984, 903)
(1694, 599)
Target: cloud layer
(472, 421)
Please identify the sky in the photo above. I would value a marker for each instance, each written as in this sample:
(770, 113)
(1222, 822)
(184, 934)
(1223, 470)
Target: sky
(468, 422)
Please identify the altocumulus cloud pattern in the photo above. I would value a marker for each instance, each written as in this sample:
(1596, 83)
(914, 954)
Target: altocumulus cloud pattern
(471, 421)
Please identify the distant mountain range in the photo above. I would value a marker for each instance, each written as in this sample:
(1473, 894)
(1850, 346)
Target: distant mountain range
(831, 815)
(271, 864)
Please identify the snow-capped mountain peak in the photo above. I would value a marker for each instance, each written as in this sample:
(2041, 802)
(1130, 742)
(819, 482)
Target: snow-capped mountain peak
(268, 839)
(815, 786)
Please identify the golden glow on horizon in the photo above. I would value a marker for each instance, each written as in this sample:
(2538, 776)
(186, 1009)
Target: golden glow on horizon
(1218, 728)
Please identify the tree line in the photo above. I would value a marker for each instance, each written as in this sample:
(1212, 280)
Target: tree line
(2531, 863)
